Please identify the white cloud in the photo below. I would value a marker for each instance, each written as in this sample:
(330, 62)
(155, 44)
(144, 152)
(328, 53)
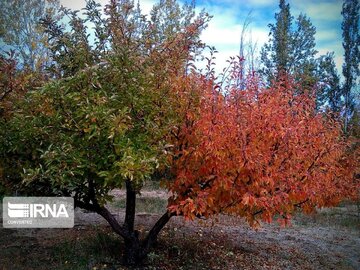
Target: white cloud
(260, 2)
(220, 36)
(145, 5)
(75, 5)
(237, 3)
(327, 35)
(316, 10)
(224, 32)
(339, 62)
(228, 37)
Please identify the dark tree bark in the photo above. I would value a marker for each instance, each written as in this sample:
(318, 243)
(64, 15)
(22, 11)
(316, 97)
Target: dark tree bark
(132, 254)
(151, 238)
(136, 250)
(130, 206)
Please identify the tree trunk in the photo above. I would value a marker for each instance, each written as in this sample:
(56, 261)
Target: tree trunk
(130, 207)
(151, 238)
(135, 250)
(133, 254)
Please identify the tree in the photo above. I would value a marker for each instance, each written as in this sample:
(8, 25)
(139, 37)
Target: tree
(24, 52)
(260, 153)
(14, 85)
(303, 61)
(20, 30)
(144, 114)
(275, 55)
(351, 43)
(247, 54)
(106, 121)
(291, 50)
(329, 90)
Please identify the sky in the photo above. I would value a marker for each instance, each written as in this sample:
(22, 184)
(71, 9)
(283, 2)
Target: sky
(225, 27)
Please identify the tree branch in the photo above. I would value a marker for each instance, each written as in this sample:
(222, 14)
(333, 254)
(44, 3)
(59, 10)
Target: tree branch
(152, 235)
(130, 206)
(104, 212)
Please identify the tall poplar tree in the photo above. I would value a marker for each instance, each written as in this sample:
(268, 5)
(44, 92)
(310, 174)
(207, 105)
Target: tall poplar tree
(275, 54)
(291, 50)
(329, 91)
(351, 43)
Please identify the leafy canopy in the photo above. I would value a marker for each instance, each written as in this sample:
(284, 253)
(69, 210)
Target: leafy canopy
(109, 116)
(133, 108)
(259, 153)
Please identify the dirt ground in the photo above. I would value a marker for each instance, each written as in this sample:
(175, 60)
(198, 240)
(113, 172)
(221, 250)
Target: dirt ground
(321, 241)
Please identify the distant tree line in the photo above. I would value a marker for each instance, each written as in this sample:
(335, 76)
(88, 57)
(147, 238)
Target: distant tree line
(291, 50)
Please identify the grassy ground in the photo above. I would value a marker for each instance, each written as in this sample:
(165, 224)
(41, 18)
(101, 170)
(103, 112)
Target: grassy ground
(145, 205)
(327, 240)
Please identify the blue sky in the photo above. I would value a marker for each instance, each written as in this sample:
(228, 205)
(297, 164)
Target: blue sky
(229, 15)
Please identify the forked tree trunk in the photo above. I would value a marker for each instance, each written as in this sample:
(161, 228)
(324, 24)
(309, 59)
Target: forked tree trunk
(136, 250)
(133, 250)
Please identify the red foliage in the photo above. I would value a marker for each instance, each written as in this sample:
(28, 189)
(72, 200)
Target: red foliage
(258, 153)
